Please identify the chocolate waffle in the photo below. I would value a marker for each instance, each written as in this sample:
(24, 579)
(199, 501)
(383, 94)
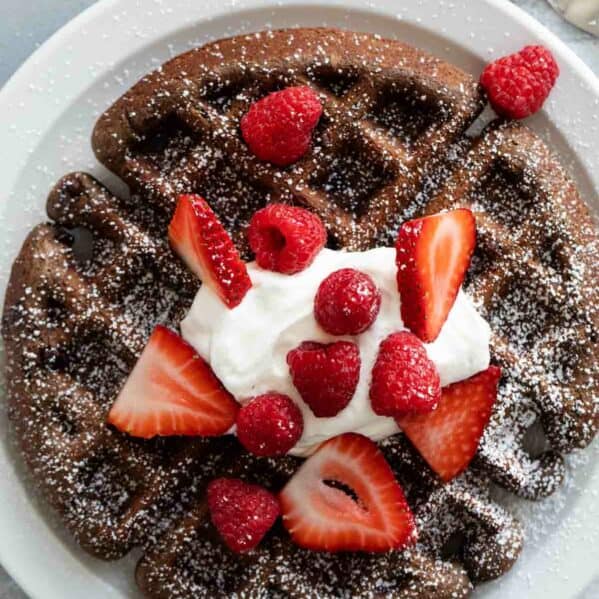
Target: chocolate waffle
(390, 114)
(87, 289)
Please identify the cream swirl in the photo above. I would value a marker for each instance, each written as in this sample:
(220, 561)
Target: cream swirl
(247, 346)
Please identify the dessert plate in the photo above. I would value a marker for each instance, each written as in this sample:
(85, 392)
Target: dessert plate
(47, 111)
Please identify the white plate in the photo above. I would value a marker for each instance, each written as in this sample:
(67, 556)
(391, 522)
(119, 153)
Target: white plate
(47, 111)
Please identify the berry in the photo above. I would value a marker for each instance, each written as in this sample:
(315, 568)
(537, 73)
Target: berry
(172, 391)
(286, 238)
(198, 237)
(433, 255)
(448, 437)
(347, 302)
(325, 376)
(518, 84)
(320, 515)
(242, 513)
(404, 379)
(278, 128)
(269, 425)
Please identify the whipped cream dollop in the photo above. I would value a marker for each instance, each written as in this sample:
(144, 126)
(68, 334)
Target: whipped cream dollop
(247, 346)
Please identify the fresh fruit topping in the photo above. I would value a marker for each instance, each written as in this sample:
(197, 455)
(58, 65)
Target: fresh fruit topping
(347, 302)
(518, 84)
(269, 425)
(242, 513)
(278, 128)
(198, 237)
(325, 376)
(404, 379)
(172, 391)
(433, 255)
(345, 498)
(286, 238)
(448, 437)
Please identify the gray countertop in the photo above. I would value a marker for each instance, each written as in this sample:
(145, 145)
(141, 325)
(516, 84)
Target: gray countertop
(26, 25)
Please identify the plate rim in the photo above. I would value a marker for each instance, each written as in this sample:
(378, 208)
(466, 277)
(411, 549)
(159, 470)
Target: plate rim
(15, 86)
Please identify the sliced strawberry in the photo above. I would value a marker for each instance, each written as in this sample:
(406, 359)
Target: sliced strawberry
(448, 437)
(320, 515)
(198, 237)
(172, 391)
(433, 255)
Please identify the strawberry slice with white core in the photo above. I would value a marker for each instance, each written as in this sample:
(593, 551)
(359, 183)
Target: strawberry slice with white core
(172, 391)
(199, 238)
(448, 437)
(433, 255)
(345, 498)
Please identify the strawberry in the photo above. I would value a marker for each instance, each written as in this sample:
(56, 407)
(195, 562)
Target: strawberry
(448, 437)
(172, 391)
(199, 238)
(433, 255)
(320, 515)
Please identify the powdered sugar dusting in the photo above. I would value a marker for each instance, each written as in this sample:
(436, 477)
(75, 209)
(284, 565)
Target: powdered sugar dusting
(374, 153)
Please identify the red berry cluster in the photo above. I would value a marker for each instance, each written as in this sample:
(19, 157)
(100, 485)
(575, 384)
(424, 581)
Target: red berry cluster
(347, 302)
(285, 239)
(325, 376)
(269, 425)
(278, 128)
(432, 256)
(517, 85)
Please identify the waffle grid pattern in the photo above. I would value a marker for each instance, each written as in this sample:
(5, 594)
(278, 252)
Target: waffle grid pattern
(390, 146)
(386, 124)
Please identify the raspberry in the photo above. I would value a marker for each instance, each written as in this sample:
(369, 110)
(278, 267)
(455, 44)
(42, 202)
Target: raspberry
(518, 84)
(242, 513)
(285, 238)
(404, 379)
(347, 302)
(269, 425)
(278, 128)
(326, 376)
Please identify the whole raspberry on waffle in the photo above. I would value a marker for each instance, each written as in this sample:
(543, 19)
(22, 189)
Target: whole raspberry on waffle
(347, 302)
(326, 376)
(242, 513)
(286, 239)
(404, 379)
(269, 425)
(278, 128)
(517, 85)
